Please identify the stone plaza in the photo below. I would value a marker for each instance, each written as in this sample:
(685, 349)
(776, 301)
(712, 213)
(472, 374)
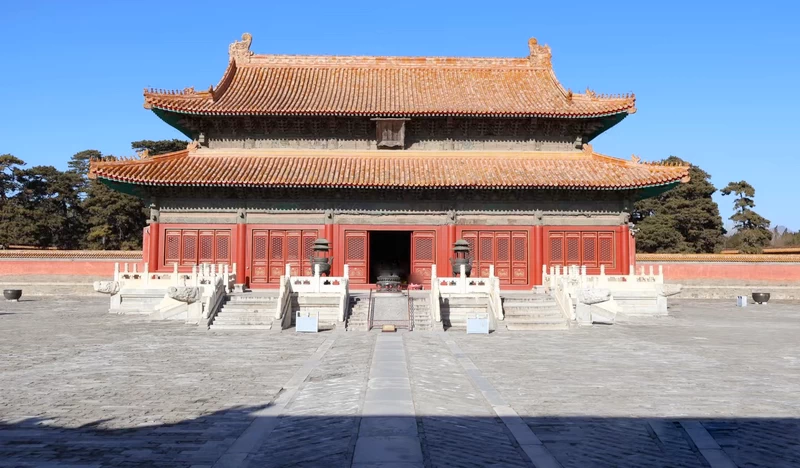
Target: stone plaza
(709, 385)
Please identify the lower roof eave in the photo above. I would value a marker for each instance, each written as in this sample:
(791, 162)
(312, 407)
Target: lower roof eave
(646, 191)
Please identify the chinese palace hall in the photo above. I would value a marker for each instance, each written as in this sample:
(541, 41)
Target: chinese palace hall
(392, 159)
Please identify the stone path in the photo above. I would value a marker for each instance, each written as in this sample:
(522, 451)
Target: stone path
(712, 385)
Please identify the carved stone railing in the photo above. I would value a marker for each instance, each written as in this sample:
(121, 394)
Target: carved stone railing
(436, 306)
(489, 286)
(315, 285)
(576, 292)
(131, 277)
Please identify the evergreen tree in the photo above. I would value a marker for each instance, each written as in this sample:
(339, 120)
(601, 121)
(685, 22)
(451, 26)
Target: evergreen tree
(14, 227)
(684, 219)
(752, 228)
(156, 147)
(113, 220)
(49, 202)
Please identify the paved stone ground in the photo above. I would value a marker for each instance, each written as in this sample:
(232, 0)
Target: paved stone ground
(712, 385)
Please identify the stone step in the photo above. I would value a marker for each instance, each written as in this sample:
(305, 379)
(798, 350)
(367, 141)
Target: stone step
(538, 313)
(243, 316)
(530, 305)
(215, 326)
(537, 326)
(551, 319)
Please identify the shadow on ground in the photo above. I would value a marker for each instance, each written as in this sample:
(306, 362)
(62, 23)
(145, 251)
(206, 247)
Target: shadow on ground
(331, 441)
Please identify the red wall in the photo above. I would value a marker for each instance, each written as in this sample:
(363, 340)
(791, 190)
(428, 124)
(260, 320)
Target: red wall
(103, 268)
(744, 272)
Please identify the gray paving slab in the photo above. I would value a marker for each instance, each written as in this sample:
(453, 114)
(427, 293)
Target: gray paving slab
(82, 387)
(388, 449)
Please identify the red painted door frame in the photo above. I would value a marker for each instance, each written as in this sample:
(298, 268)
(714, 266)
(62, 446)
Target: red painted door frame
(339, 246)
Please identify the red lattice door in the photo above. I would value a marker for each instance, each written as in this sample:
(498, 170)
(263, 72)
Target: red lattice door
(172, 247)
(356, 251)
(519, 257)
(258, 257)
(589, 248)
(423, 256)
(506, 250)
(299, 248)
(502, 258)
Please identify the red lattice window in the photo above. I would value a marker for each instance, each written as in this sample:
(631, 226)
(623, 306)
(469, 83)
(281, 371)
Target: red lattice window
(557, 249)
(606, 249)
(293, 247)
(503, 249)
(424, 248)
(172, 250)
(519, 249)
(189, 254)
(308, 246)
(207, 247)
(260, 248)
(573, 250)
(590, 249)
(276, 248)
(223, 247)
(355, 248)
(485, 249)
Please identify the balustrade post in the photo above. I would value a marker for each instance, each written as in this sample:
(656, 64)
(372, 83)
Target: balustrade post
(126, 267)
(175, 274)
(194, 275)
(288, 270)
(317, 278)
(116, 271)
(632, 271)
(641, 270)
(491, 271)
(463, 278)
(346, 271)
(146, 274)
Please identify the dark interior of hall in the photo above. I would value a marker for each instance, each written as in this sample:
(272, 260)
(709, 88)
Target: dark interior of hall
(389, 252)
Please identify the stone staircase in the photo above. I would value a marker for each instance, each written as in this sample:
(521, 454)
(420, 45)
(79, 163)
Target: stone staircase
(249, 311)
(532, 311)
(357, 315)
(456, 309)
(421, 312)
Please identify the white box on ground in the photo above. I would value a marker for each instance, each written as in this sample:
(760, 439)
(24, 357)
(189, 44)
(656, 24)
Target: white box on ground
(479, 324)
(307, 324)
(741, 301)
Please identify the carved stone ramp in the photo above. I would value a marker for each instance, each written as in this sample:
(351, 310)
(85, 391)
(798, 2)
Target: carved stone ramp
(390, 309)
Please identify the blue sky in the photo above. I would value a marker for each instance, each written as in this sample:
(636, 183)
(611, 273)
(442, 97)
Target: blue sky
(717, 83)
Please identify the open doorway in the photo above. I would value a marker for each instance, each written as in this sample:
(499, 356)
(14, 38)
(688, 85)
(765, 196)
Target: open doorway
(389, 252)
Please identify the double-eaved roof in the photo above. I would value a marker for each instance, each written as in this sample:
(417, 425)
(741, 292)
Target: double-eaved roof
(388, 87)
(389, 170)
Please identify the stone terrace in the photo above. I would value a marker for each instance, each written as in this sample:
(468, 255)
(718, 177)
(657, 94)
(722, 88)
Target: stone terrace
(710, 385)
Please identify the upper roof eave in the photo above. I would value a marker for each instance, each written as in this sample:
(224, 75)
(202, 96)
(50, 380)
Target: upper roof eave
(411, 86)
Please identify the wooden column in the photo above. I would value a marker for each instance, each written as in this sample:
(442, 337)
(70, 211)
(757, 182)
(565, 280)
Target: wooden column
(328, 233)
(538, 254)
(625, 249)
(154, 247)
(241, 252)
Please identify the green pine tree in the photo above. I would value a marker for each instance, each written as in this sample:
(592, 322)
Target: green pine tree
(684, 219)
(751, 227)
